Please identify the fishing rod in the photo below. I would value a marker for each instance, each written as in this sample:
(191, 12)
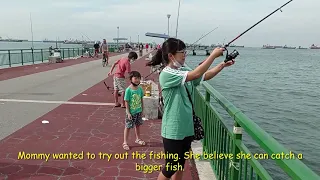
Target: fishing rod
(189, 51)
(235, 53)
(110, 88)
(204, 36)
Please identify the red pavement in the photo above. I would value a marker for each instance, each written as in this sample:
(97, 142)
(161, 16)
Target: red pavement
(77, 128)
(14, 72)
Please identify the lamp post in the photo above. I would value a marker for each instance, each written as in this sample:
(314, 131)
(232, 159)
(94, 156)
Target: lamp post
(118, 37)
(178, 20)
(168, 15)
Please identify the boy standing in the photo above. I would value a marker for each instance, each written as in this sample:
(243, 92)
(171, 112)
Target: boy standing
(119, 82)
(134, 109)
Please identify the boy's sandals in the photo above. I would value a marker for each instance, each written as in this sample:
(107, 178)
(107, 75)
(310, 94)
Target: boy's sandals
(119, 105)
(125, 146)
(139, 141)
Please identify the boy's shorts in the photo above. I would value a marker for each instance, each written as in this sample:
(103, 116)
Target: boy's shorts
(135, 121)
(119, 84)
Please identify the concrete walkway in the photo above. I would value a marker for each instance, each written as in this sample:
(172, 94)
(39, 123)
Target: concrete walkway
(73, 128)
(59, 84)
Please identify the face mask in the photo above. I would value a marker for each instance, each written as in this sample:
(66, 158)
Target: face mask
(134, 84)
(176, 63)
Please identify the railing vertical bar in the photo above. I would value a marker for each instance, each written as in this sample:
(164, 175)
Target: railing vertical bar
(223, 163)
(251, 173)
(245, 169)
(228, 152)
(9, 57)
(21, 57)
(220, 147)
(41, 55)
(240, 169)
(32, 55)
(216, 140)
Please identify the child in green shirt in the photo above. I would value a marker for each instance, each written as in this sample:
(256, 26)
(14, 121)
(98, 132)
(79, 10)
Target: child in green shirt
(134, 109)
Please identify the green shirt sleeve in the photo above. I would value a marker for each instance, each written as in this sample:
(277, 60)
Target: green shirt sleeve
(170, 78)
(195, 82)
(127, 94)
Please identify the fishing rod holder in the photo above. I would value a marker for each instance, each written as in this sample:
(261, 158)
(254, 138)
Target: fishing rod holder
(231, 56)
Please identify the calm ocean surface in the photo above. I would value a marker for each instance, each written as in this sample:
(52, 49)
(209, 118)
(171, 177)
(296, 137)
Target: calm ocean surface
(279, 89)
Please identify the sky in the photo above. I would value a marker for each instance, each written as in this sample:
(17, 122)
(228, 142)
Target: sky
(297, 25)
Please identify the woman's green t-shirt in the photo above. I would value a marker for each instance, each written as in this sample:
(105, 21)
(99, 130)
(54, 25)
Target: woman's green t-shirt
(177, 122)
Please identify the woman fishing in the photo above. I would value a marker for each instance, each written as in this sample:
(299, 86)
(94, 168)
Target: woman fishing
(177, 122)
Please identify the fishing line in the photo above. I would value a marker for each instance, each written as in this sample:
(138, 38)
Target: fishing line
(235, 53)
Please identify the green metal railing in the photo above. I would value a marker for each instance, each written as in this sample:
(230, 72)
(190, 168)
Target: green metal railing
(26, 56)
(219, 139)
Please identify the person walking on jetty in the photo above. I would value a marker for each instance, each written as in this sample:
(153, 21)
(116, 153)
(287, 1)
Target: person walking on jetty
(119, 83)
(141, 49)
(134, 109)
(176, 82)
(105, 52)
(96, 48)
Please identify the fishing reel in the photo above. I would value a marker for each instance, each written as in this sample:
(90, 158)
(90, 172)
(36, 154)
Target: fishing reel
(231, 56)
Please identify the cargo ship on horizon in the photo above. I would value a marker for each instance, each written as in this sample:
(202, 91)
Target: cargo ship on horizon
(314, 47)
(268, 47)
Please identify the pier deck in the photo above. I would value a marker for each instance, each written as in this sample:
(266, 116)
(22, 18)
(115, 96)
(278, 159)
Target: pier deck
(88, 127)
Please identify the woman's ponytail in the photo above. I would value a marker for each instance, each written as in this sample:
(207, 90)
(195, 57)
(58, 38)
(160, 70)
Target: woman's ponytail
(170, 46)
(156, 59)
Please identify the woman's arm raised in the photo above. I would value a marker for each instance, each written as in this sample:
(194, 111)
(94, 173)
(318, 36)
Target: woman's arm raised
(214, 71)
(202, 68)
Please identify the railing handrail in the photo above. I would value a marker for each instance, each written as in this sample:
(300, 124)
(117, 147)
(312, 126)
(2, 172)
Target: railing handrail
(293, 167)
(41, 49)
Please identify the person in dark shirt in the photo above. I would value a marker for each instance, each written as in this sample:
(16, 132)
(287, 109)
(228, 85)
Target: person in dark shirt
(96, 47)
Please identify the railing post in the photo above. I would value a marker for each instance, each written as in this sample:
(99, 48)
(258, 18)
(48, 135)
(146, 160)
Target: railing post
(68, 53)
(41, 55)
(21, 57)
(237, 136)
(32, 55)
(207, 100)
(9, 58)
(73, 51)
